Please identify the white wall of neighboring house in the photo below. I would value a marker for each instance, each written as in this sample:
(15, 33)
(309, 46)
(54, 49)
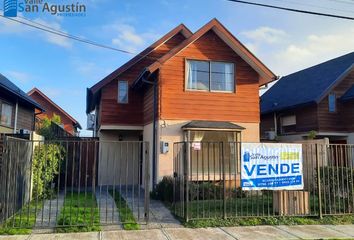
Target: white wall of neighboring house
(350, 139)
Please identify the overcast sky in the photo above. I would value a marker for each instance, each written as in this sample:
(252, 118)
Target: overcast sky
(286, 42)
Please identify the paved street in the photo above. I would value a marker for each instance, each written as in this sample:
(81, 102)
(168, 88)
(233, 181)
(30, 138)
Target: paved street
(251, 233)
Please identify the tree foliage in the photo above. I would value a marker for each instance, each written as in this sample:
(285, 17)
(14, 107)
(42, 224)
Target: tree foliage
(46, 127)
(46, 161)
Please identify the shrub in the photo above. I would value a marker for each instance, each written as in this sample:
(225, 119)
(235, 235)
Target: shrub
(46, 161)
(164, 190)
(337, 183)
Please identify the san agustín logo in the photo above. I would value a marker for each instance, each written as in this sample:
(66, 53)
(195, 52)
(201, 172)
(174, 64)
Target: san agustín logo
(69, 9)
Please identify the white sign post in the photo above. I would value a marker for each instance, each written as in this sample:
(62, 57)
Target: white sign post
(271, 166)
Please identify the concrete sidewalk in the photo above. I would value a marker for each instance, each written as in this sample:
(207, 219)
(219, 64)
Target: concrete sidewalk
(252, 233)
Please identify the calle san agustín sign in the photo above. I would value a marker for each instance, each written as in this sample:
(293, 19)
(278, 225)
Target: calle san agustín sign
(272, 166)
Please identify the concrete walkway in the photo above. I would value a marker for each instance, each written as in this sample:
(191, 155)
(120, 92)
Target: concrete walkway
(159, 215)
(47, 218)
(109, 216)
(228, 233)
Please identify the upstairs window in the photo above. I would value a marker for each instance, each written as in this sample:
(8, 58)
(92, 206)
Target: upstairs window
(6, 115)
(332, 103)
(123, 91)
(210, 76)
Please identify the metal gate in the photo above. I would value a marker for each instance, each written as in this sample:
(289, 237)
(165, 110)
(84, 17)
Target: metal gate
(80, 183)
(207, 183)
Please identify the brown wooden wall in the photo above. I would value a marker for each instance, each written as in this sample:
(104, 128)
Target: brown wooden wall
(139, 109)
(25, 117)
(178, 103)
(306, 119)
(50, 110)
(343, 118)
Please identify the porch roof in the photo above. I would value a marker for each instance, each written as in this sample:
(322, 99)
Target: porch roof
(212, 125)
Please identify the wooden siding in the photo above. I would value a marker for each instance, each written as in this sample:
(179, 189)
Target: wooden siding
(25, 115)
(178, 103)
(306, 120)
(50, 110)
(342, 119)
(138, 110)
(25, 118)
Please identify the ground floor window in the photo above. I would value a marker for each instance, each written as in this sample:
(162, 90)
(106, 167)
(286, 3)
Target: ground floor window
(209, 148)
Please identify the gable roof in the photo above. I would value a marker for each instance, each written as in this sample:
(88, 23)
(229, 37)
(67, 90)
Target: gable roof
(307, 86)
(36, 90)
(266, 74)
(179, 29)
(13, 89)
(348, 95)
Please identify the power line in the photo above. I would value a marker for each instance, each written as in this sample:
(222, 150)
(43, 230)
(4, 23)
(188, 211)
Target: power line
(293, 9)
(316, 6)
(51, 30)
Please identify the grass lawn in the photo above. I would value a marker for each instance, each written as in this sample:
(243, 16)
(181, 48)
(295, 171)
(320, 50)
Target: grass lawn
(23, 221)
(125, 214)
(79, 213)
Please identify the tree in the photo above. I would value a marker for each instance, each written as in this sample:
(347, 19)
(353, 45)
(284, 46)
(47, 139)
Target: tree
(46, 129)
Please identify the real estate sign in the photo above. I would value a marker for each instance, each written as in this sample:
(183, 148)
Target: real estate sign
(275, 166)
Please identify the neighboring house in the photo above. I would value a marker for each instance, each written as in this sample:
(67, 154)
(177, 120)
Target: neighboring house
(17, 110)
(202, 86)
(69, 124)
(319, 98)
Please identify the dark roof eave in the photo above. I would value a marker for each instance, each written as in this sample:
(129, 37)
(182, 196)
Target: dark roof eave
(29, 101)
(212, 125)
(289, 107)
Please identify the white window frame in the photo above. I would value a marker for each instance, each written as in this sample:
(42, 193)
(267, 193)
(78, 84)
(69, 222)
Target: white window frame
(334, 110)
(209, 86)
(118, 98)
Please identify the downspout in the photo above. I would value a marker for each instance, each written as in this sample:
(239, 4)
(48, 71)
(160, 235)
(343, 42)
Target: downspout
(154, 134)
(16, 113)
(154, 137)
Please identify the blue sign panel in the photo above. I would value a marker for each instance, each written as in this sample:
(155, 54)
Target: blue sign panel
(274, 166)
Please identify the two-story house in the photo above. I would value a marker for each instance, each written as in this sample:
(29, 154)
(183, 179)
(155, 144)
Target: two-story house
(319, 98)
(201, 86)
(69, 124)
(17, 110)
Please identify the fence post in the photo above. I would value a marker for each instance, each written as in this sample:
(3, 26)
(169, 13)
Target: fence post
(224, 180)
(186, 176)
(319, 183)
(146, 160)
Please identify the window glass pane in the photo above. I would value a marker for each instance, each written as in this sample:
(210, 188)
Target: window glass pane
(6, 114)
(122, 91)
(222, 76)
(198, 75)
(332, 102)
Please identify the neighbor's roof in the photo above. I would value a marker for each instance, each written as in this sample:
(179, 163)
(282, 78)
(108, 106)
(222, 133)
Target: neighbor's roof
(13, 89)
(212, 125)
(306, 86)
(348, 95)
(36, 90)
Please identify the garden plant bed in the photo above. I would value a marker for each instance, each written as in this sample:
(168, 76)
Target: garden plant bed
(79, 213)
